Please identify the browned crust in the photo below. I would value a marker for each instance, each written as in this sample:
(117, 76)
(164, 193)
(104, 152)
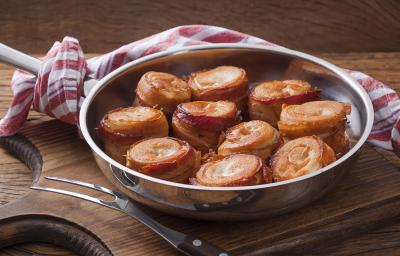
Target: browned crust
(280, 160)
(202, 140)
(263, 143)
(293, 125)
(178, 169)
(269, 109)
(339, 142)
(259, 176)
(207, 122)
(235, 91)
(149, 91)
(294, 99)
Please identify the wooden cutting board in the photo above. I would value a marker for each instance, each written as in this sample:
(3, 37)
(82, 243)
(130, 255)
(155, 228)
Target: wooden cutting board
(368, 197)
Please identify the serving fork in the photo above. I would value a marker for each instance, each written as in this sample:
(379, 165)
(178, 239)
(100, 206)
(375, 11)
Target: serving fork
(189, 245)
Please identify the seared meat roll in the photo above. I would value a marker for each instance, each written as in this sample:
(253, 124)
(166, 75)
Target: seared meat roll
(165, 158)
(200, 122)
(300, 157)
(255, 137)
(339, 142)
(233, 170)
(121, 127)
(221, 83)
(326, 119)
(266, 99)
(162, 90)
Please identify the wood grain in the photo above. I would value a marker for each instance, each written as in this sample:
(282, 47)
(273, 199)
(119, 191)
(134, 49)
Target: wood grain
(384, 67)
(381, 185)
(102, 25)
(15, 178)
(387, 238)
(36, 249)
(366, 199)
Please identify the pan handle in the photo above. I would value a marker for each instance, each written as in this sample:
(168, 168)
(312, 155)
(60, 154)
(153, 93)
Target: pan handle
(31, 64)
(124, 178)
(19, 59)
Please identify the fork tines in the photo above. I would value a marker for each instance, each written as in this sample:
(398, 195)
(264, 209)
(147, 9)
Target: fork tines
(83, 184)
(80, 195)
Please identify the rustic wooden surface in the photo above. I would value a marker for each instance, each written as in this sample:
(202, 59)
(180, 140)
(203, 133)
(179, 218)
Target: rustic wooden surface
(352, 200)
(364, 201)
(102, 25)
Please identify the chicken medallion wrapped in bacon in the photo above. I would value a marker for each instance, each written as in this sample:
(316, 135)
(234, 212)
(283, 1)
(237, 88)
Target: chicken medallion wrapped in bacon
(121, 127)
(164, 158)
(300, 157)
(266, 99)
(233, 170)
(221, 83)
(201, 122)
(162, 90)
(326, 119)
(254, 137)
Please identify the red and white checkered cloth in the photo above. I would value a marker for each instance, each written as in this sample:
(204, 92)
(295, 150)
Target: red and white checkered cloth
(57, 91)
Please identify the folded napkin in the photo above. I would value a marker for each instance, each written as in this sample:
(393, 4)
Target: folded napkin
(57, 90)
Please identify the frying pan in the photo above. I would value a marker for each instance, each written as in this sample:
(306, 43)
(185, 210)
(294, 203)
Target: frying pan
(117, 89)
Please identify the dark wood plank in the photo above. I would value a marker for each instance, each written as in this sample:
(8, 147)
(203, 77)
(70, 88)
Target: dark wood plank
(318, 25)
(382, 241)
(348, 226)
(37, 249)
(383, 66)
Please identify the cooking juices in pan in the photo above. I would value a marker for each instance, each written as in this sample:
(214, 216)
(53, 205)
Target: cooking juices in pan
(285, 133)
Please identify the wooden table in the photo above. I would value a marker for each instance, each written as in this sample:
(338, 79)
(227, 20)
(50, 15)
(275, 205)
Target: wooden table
(15, 177)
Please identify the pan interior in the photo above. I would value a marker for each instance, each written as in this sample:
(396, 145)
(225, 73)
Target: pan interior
(260, 65)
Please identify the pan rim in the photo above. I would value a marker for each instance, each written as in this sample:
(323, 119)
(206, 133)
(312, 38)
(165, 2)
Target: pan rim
(181, 50)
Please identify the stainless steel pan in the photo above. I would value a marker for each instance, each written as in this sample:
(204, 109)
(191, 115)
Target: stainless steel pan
(229, 203)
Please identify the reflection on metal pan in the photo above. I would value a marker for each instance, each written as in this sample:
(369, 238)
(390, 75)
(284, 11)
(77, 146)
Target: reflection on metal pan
(227, 203)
